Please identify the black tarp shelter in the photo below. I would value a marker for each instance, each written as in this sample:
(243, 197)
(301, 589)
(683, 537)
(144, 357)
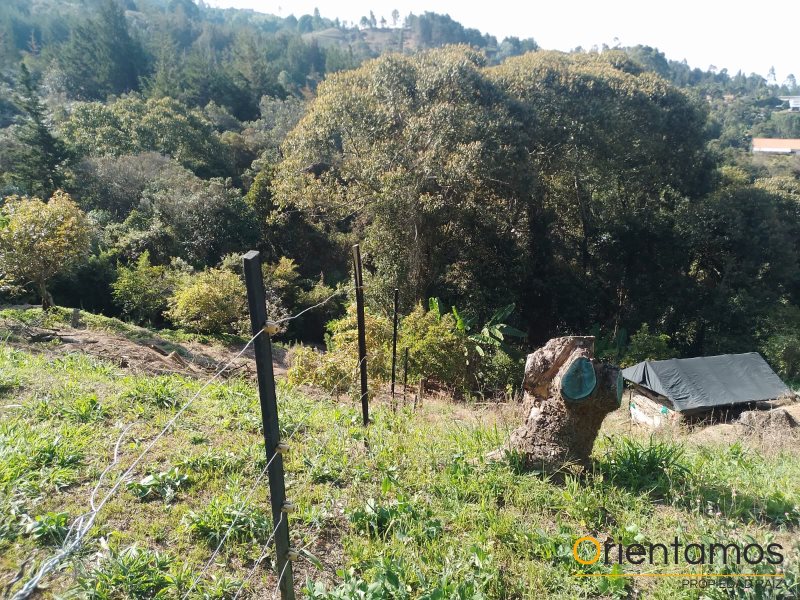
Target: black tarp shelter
(695, 384)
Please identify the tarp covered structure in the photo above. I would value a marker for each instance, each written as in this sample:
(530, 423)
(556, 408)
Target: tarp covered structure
(693, 384)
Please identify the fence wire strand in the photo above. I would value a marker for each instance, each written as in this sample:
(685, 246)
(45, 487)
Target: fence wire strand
(296, 428)
(82, 524)
(265, 551)
(338, 292)
(229, 529)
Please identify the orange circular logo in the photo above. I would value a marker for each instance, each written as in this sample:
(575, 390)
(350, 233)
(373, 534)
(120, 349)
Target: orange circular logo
(578, 542)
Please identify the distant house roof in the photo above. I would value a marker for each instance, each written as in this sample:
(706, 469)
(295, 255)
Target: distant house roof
(776, 145)
(693, 384)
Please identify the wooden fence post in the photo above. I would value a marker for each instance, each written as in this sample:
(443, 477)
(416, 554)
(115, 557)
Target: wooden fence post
(256, 301)
(362, 338)
(405, 374)
(394, 341)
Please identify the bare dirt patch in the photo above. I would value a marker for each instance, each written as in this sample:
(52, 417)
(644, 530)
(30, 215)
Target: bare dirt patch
(146, 354)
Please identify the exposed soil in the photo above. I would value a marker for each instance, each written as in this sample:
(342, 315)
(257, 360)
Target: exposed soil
(150, 354)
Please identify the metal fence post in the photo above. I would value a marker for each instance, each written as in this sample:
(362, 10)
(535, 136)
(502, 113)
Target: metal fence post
(256, 301)
(394, 341)
(362, 338)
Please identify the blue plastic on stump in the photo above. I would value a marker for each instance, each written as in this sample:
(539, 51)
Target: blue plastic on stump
(579, 381)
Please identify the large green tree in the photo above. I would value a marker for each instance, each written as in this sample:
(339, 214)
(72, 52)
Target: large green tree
(40, 158)
(552, 180)
(616, 150)
(101, 57)
(419, 156)
(132, 125)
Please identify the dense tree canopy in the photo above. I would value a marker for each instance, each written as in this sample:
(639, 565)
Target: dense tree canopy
(538, 180)
(605, 191)
(412, 150)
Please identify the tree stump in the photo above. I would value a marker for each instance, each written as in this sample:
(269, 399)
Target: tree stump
(568, 393)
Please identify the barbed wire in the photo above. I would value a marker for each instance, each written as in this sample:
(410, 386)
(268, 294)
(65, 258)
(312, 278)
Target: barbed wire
(296, 428)
(265, 551)
(84, 522)
(338, 292)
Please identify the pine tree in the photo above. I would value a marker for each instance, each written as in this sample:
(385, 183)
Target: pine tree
(38, 166)
(101, 57)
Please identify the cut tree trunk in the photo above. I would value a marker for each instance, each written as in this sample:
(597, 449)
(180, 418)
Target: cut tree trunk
(568, 393)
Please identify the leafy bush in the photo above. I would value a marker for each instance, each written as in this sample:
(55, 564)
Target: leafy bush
(310, 367)
(213, 301)
(436, 348)
(142, 291)
(499, 371)
(780, 345)
(782, 351)
(39, 240)
(440, 349)
(647, 346)
(337, 369)
(50, 529)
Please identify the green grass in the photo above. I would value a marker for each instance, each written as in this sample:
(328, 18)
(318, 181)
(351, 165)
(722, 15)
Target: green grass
(407, 508)
(169, 339)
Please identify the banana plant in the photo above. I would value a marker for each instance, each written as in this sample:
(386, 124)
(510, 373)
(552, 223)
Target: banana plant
(493, 333)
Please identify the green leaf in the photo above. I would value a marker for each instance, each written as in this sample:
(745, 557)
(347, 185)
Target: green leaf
(312, 559)
(435, 305)
(502, 313)
(512, 331)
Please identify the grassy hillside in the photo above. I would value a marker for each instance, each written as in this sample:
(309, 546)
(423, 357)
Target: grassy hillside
(406, 508)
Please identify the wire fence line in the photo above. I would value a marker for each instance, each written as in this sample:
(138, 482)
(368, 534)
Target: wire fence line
(266, 547)
(82, 524)
(264, 552)
(229, 529)
(338, 292)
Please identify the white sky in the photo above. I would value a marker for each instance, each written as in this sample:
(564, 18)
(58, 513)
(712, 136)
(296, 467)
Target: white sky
(732, 34)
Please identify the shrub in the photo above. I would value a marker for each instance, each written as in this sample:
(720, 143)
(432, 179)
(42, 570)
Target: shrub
(647, 346)
(142, 291)
(213, 301)
(39, 240)
(501, 372)
(310, 367)
(436, 348)
(336, 370)
(782, 351)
